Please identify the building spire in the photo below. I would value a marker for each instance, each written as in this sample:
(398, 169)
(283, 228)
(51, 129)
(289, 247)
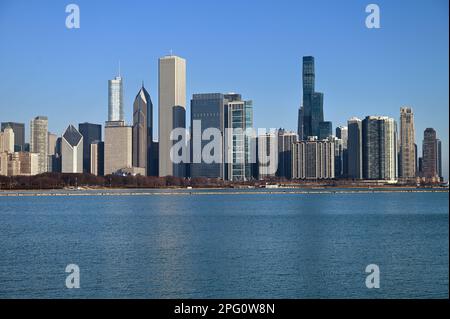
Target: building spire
(119, 68)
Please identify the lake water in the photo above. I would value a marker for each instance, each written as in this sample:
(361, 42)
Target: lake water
(225, 245)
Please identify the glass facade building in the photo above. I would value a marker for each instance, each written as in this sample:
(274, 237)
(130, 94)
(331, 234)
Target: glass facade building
(115, 99)
(91, 133)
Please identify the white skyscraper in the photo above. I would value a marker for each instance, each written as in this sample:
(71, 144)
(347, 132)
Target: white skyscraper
(7, 140)
(115, 99)
(172, 109)
(72, 151)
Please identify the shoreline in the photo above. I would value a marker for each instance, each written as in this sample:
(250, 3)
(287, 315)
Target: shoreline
(215, 191)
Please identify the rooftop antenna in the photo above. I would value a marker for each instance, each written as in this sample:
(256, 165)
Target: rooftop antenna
(119, 68)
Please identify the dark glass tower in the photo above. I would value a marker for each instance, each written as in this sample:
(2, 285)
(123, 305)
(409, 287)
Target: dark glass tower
(312, 111)
(91, 133)
(143, 146)
(429, 157)
(209, 109)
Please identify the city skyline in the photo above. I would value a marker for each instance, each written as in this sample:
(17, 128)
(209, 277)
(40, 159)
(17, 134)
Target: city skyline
(430, 111)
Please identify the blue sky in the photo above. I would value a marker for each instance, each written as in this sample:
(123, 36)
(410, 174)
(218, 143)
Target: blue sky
(253, 47)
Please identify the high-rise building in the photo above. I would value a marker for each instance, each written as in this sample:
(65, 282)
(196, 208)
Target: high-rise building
(51, 152)
(7, 140)
(118, 147)
(172, 110)
(90, 132)
(313, 159)
(439, 159)
(115, 99)
(379, 148)
(51, 144)
(207, 111)
(39, 140)
(19, 134)
(341, 166)
(143, 146)
(300, 126)
(97, 158)
(312, 111)
(407, 163)
(429, 155)
(325, 130)
(72, 151)
(240, 144)
(286, 140)
(342, 133)
(354, 149)
(267, 155)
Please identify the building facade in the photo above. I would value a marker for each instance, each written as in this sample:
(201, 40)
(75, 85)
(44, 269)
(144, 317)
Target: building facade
(407, 155)
(143, 146)
(72, 151)
(118, 147)
(39, 140)
(240, 140)
(172, 110)
(312, 109)
(354, 149)
(207, 111)
(313, 159)
(429, 155)
(90, 132)
(267, 155)
(286, 140)
(115, 99)
(19, 134)
(379, 148)
(97, 158)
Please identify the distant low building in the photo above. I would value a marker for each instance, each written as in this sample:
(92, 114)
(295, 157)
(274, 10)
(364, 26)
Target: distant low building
(19, 163)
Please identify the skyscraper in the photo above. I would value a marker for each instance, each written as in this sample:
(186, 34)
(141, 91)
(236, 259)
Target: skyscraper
(172, 110)
(7, 140)
(429, 155)
(325, 130)
(341, 148)
(51, 152)
(379, 148)
(143, 132)
(115, 99)
(209, 109)
(72, 151)
(439, 159)
(407, 144)
(239, 146)
(285, 141)
(97, 158)
(267, 155)
(118, 147)
(39, 140)
(90, 132)
(354, 148)
(312, 111)
(19, 134)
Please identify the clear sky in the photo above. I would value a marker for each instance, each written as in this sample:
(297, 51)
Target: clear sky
(253, 47)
